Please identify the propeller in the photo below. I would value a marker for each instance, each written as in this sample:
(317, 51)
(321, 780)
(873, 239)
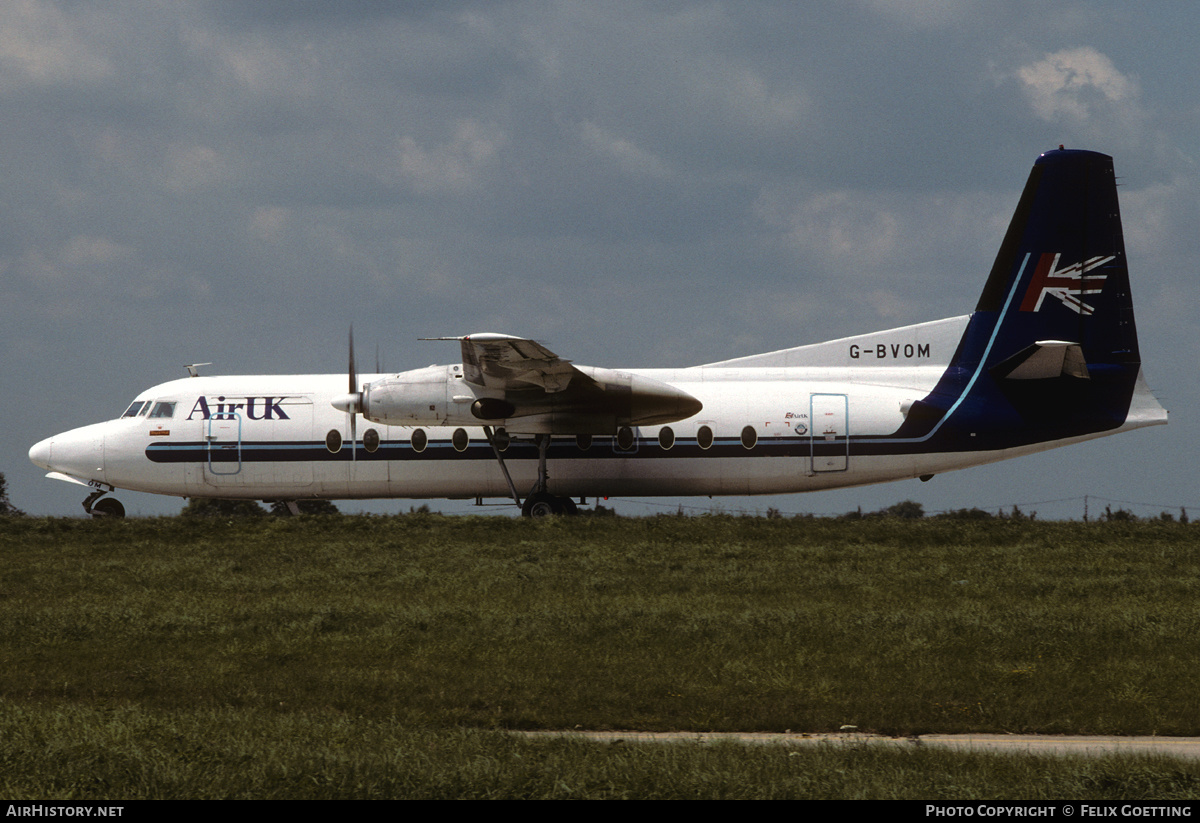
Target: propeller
(352, 401)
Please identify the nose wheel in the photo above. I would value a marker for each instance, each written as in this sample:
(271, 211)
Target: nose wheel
(106, 507)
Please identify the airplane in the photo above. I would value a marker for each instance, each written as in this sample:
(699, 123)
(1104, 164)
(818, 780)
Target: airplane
(1049, 357)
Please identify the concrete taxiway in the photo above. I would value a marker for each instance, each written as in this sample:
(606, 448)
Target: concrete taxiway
(1184, 747)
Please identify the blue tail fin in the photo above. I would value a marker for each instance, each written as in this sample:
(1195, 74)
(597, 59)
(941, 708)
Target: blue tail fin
(1051, 350)
(1061, 272)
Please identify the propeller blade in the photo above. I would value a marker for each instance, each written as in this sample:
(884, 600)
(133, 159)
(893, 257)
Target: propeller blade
(352, 369)
(356, 406)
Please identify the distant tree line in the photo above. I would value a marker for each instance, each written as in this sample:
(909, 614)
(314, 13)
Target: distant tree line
(1126, 516)
(904, 510)
(7, 509)
(911, 510)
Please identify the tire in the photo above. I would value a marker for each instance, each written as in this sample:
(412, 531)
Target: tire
(541, 504)
(108, 507)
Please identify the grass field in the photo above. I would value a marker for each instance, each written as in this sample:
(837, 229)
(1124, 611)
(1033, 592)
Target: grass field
(384, 656)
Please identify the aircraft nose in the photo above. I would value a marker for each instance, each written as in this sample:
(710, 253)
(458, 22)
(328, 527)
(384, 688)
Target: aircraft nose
(78, 453)
(42, 452)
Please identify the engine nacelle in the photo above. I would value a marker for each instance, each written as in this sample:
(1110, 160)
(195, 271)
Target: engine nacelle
(597, 401)
(418, 397)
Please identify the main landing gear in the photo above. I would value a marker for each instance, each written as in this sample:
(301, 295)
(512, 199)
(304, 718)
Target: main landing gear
(543, 504)
(540, 502)
(108, 507)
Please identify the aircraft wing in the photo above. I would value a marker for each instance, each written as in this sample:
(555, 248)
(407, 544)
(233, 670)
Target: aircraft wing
(507, 363)
(521, 381)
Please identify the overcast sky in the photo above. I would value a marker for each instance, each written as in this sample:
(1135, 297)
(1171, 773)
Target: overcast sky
(631, 183)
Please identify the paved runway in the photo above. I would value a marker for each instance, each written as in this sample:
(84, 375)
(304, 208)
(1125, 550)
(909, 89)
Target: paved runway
(1186, 747)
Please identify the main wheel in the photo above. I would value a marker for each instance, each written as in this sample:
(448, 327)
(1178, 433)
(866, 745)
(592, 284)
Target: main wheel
(541, 504)
(108, 507)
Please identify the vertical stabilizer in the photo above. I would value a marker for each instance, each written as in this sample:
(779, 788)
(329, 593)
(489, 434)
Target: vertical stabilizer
(1061, 273)
(1051, 350)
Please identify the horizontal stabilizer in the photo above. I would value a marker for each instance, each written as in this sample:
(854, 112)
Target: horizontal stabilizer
(1144, 408)
(1044, 360)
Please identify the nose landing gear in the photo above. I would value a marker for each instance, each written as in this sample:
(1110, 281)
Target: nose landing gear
(108, 507)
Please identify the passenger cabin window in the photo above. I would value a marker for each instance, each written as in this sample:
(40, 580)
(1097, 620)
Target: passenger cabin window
(134, 409)
(666, 437)
(625, 438)
(163, 410)
(749, 437)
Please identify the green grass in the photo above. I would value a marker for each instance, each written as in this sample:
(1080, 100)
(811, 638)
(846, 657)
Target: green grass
(426, 631)
(130, 754)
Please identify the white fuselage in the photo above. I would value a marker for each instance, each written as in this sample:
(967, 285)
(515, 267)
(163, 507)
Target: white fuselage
(273, 437)
(801, 419)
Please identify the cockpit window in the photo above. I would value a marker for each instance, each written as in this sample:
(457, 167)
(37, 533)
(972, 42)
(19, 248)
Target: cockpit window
(137, 407)
(163, 409)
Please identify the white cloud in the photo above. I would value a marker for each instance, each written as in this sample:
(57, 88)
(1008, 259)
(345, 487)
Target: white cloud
(78, 266)
(897, 256)
(628, 155)
(893, 306)
(192, 167)
(84, 250)
(1075, 84)
(39, 44)
(267, 223)
(844, 228)
(454, 165)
